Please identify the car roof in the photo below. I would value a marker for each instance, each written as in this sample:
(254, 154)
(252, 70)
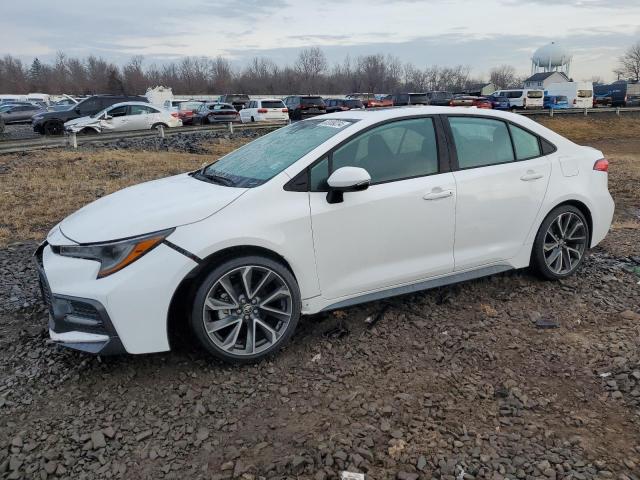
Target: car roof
(144, 104)
(269, 99)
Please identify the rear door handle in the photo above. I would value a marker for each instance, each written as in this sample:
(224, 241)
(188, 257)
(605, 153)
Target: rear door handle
(531, 175)
(437, 194)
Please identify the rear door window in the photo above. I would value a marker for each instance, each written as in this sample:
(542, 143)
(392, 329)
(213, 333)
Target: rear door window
(585, 93)
(525, 143)
(535, 94)
(481, 142)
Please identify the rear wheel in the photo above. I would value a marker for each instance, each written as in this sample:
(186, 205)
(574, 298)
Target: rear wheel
(156, 126)
(246, 309)
(561, 243)
(53, 128)
(87, 131)
(253, 119)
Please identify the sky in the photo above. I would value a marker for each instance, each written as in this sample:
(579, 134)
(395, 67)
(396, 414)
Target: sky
(478, 33)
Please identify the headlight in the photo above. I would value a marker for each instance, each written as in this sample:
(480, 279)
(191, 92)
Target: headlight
(114, 256)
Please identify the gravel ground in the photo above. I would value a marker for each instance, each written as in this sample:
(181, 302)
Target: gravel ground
(504, 377)
(18, 131)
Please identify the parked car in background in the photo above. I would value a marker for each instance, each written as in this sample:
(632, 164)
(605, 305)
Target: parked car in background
(318, 216)
(439, 98)
(52, 123)
(579, 94)
(238, 100)
(187, 110)
(342, 104)
(123, 117)
(499, 103)
(470, 101)
(215, 112)
(556, 102)
(386, 100)
(18, 113)
(602, 99)
(174, 105)
(1, 125)
(401, 99)
(265, 110)
(522, 99)
(369, 100)
(623, 94)
(301, 106)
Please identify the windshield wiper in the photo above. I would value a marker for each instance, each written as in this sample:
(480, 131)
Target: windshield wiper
(219, 179)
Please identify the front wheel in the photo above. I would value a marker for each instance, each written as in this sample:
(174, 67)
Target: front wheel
(53, 128)
(561, 243)
(246, 309)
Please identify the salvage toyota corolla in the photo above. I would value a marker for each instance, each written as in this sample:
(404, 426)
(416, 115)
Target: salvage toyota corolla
(318, 215)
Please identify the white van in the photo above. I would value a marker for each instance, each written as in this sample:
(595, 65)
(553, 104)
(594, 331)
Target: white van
(579, 94)
(522, 99)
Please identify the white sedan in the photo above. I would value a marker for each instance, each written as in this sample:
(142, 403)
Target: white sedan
(266, 110)
(318, 215)
(123, 117)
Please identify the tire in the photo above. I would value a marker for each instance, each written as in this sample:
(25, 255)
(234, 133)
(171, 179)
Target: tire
(156, 126)
(253, 119)
(514, 110)
(53, 127)
(273, 321)
(87, 131)
(558, 252)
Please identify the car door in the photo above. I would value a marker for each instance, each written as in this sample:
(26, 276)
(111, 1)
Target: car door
(398, 231)
(139, 117)
(116, 118)
(501, 179)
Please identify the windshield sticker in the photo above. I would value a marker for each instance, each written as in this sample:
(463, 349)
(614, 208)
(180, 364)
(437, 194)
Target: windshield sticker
(334, 123)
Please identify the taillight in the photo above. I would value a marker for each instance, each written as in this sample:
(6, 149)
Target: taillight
(262, 110)
(285, 110)
(601, 165)
(451, 103)
(575, 101)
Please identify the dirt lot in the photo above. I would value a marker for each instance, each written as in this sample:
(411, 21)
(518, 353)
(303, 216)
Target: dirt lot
(456, 383)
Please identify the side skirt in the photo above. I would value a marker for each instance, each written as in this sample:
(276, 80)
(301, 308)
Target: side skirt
(416, 287)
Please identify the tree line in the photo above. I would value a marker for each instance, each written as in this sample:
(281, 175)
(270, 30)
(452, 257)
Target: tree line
(310, 73)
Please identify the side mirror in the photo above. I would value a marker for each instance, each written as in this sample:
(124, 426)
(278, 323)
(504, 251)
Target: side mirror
(77, 110)
(107, 117)
(347, 179)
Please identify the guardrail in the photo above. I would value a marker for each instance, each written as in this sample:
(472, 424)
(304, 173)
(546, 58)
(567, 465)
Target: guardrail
(579, 111)
(73, 140)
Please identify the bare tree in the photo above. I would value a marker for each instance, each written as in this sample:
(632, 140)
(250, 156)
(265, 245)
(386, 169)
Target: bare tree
(311, 64)
(630, 63)
(134, 79)
(503, 76)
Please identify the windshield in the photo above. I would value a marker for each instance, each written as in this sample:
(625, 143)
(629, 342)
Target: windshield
(236, 98)
(272, 104)
(257, 162)
(418, 97)
(311, 101)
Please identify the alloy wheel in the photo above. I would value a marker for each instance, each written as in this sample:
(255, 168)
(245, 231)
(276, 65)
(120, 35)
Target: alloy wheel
(247, 310)
(565, 243)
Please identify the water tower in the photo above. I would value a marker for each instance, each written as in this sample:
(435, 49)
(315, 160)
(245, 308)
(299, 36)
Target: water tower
(551, 58)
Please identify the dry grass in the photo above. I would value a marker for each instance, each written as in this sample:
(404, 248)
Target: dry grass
(591, 129)
(39, 189)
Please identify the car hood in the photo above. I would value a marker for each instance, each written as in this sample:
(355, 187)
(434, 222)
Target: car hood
(148, 207)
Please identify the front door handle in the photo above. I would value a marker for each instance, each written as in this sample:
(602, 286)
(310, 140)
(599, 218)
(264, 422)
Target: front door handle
(437, 194)
(531, 175)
